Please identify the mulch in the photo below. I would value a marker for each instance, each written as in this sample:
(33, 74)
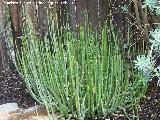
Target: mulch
(13, 89)
(149, 105)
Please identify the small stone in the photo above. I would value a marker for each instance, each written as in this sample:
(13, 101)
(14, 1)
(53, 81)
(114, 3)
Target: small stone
(37, 111)
(11, 111)
(8, 107)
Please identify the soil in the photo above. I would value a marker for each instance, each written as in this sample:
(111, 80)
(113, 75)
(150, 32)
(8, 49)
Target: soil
(12, 89)
(149, 105)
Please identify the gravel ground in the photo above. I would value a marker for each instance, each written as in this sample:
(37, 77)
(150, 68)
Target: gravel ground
(12, 89)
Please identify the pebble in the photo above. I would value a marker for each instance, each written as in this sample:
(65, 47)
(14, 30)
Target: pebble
(11, 111)
(9, 107)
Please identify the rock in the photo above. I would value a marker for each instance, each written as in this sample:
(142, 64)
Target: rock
(4, 116)
(9, 107)
(11, 111)
(6, 109)
(28, 113)
(36, 110)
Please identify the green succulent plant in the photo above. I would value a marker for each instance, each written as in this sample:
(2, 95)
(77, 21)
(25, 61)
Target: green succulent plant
(144, 64)
(153, 5)
(155, 40)
(81, 76)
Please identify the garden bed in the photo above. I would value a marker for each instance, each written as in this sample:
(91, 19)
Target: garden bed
(12, 89)
(149, 105)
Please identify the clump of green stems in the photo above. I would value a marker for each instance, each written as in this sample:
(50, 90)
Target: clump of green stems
(146, 64)
(80, 77)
